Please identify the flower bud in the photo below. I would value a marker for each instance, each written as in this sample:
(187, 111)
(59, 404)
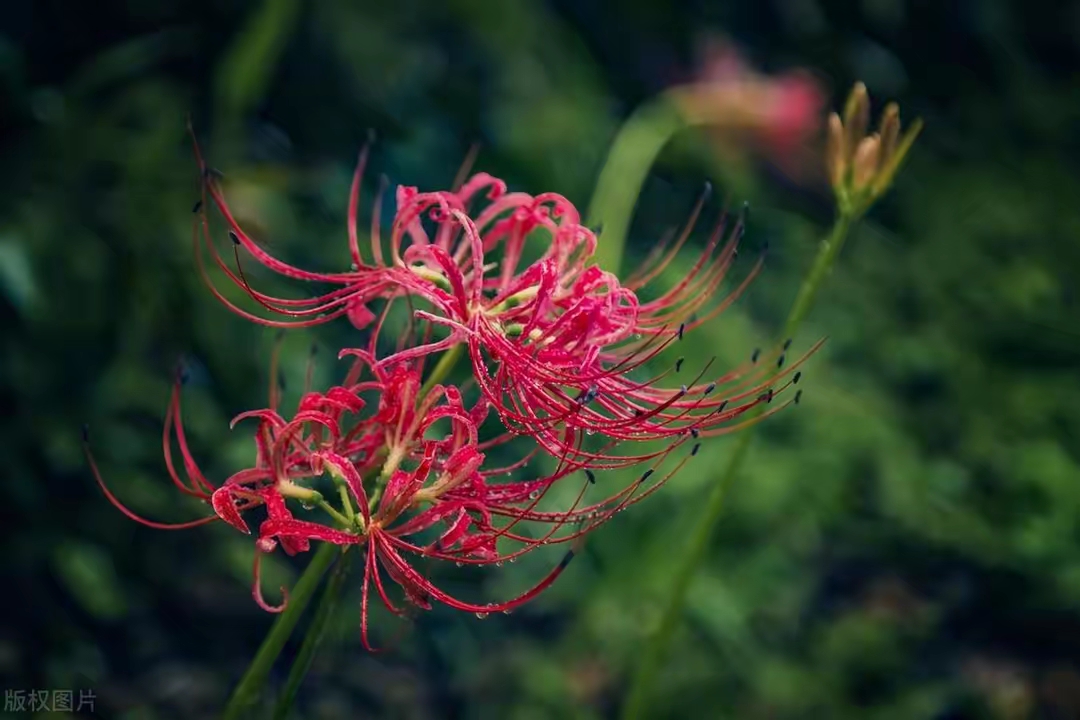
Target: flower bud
(861, 167)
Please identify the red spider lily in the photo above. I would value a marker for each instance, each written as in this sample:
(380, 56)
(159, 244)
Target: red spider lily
(268, 483)
(410, 469)
(554, 345)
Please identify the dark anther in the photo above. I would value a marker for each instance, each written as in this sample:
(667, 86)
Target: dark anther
(798, 376)
(591, 476)
(693, 451)
(695, 432)
(678, 364)
(755, 355)
(598, 229)
(279, 335)
(566, 559)
(780, 361)
(590, 395)
(682, 329)
(85, 433)
(234, 237)
(645, 476)
(182, 373)
(281, 380)
(683, 390)
(798, 397)
(709, 388)
(197, 207)
(787, 344)
(314, 350)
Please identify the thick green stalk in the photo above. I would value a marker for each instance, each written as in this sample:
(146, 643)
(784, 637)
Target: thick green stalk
(312, 640)
(442, 368)
(702, 533)
(247, 691)
(632, 155)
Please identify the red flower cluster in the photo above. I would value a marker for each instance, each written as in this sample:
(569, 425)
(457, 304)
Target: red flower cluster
(555, 347)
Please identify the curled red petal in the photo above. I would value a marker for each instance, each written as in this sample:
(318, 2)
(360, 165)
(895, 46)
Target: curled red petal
(224, 504)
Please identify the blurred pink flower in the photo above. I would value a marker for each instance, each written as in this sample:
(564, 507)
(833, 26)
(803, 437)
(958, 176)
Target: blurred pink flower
(778, 114)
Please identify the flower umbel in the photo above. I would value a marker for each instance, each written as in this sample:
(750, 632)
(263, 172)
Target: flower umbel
(412, 477)
(409, 468)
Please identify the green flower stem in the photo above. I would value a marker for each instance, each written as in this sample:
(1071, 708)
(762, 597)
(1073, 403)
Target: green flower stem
(632, 155)
(330, 510)
(446, 363)
(250, 686)
(827, 253)
(312, 640)
(702, 533)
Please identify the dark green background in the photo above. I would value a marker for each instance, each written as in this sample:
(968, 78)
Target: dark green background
(904, 545)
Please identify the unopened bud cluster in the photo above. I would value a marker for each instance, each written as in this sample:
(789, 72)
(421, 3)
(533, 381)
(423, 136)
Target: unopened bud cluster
(861, 167)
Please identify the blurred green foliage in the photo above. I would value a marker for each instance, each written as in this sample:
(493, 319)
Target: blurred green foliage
(903, 545)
